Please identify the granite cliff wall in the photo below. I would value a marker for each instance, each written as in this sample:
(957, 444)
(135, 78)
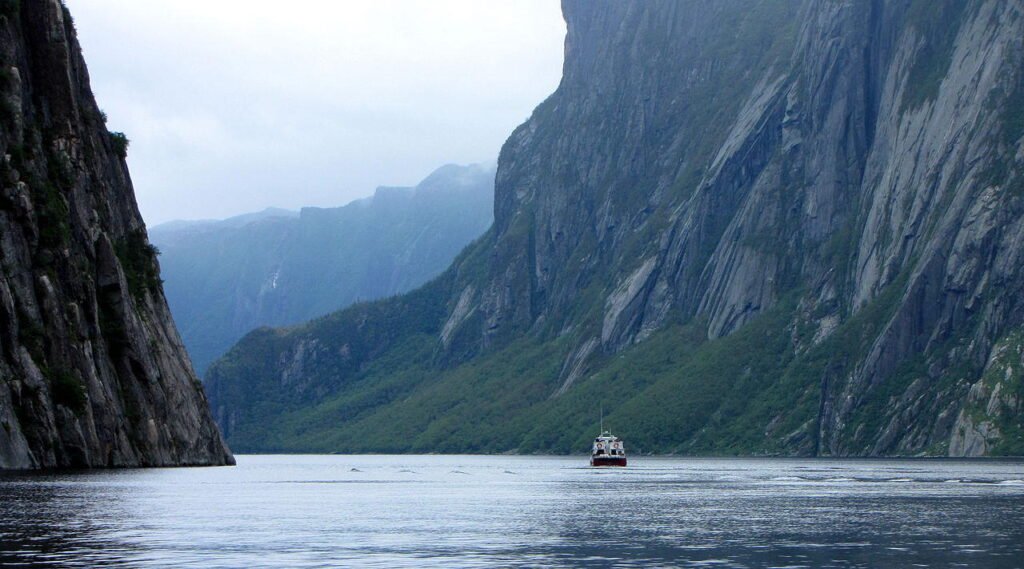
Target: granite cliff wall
(92, 371)
(850, 172)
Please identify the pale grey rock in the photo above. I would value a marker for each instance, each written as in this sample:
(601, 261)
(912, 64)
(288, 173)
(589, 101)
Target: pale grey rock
(464, 308)
(620, 299)
(575, 365)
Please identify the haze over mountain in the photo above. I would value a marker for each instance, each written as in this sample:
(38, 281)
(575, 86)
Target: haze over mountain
(92, 372)
(275, 267)
(233, 105)
(786, 227)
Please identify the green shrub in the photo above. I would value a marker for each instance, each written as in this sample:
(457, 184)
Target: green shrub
(52, 216)
(8, 113)
(120, 143)
(10, 8)
(938, 22)
(6, 76)
(138, 260)
(68, 390)
(32, 336)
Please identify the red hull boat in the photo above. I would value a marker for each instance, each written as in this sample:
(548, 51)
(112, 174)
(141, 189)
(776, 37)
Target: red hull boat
(608, 461)
(608, 451)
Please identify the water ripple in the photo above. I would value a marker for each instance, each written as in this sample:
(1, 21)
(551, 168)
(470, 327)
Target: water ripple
(464, 511)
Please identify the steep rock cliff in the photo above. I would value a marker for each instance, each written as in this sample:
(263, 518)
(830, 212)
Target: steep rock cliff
(787, 227)
(92, 372)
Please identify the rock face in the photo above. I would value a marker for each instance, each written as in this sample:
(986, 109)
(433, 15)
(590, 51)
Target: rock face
(223, 279)
(990, 421)
(828, 196)
(92, 372)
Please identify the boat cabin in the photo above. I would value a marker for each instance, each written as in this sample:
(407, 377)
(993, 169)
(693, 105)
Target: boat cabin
(608, 451)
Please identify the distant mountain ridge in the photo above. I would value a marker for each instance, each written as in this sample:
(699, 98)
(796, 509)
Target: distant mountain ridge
(181, 227)
(279, 267)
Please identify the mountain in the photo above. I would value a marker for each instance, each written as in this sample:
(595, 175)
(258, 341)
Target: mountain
(223, 279)
(173, 230)
(784, 227)
(92, 371)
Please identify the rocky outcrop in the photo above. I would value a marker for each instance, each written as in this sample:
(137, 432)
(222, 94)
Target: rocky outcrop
(850, 174)
(92, 371)
(991, 418)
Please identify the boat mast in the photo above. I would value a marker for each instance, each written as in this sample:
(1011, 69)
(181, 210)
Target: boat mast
(602, 419)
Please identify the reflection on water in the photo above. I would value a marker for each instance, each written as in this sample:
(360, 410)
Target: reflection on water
(462, 511)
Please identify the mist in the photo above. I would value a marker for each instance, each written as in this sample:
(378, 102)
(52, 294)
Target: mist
(230, 111)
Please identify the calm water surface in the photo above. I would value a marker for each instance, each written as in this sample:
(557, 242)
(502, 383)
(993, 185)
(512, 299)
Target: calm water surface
(473, 511)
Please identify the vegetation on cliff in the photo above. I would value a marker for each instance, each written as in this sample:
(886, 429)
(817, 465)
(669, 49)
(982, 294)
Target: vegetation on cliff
(92, 373)
(770, 227)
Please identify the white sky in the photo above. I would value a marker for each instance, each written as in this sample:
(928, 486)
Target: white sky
(236, 105)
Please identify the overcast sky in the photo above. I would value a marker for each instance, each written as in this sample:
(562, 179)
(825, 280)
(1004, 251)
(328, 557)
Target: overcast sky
(236, 105)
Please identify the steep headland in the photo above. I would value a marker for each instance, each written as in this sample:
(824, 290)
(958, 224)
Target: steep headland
(92, 371)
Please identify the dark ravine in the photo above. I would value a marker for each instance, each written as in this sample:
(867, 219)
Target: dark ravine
(772, 227)
(92, 371)
(277, 268)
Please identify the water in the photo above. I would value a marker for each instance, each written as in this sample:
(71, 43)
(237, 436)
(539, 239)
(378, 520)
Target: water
(474, 511)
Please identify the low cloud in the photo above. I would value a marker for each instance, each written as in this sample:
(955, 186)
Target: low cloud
(236, 105)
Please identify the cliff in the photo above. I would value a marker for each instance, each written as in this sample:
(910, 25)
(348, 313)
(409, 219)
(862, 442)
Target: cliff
(223, 279)
(92, 371)
(748, 227)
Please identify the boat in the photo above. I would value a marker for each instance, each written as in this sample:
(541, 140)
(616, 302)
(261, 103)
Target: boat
(608, 451)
